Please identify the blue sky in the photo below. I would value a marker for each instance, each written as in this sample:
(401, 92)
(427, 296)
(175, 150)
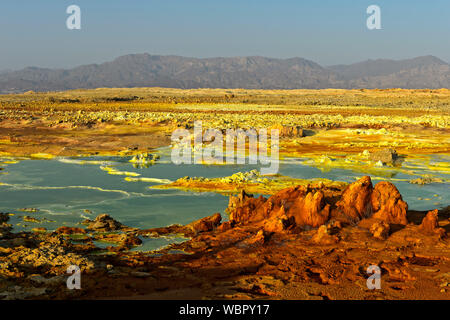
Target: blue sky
(34, 33)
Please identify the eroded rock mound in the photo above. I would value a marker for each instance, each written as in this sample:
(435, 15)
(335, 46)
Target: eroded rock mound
(299, 204)
(311, 210)
(237, 201)
(247, 210)
(355, 202)
(303, 206)
(388, 205)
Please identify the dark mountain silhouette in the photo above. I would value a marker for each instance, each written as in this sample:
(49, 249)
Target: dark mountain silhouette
(144, 70)
(420, 72)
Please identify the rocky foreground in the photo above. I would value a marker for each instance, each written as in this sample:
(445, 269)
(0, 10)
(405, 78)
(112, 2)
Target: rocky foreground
(303, 242)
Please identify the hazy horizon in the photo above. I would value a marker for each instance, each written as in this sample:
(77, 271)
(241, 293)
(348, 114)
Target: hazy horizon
(329, 33)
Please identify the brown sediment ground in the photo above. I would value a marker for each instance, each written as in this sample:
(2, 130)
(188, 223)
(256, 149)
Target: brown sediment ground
(26, 139)
(266, 251)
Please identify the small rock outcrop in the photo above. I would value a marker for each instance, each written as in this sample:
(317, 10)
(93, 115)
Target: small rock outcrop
(192, 229)
(258, 239)
(323, 236)
(3, 217)
(127, 240)
(380, 230)
(225, 226)
(430, 224)
(295, 131)
(386, 156)
(205, 224)
(104, 222)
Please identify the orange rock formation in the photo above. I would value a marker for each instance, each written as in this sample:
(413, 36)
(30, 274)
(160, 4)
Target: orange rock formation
(301, 206)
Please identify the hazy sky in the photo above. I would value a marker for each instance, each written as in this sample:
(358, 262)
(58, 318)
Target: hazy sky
(34, 33)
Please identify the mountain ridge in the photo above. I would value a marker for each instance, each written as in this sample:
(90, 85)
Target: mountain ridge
(249, 72)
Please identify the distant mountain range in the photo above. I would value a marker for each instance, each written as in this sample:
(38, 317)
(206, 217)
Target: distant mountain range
(145, 70)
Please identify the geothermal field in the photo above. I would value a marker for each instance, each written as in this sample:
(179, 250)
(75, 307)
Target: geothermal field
(325, 189)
